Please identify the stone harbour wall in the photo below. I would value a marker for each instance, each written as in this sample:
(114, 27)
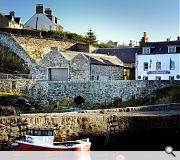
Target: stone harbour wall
(74, 125)
(94, 92)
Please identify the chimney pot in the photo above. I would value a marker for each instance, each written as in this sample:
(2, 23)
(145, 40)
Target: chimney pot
(12, 13)
(39, 8)
(48, 11)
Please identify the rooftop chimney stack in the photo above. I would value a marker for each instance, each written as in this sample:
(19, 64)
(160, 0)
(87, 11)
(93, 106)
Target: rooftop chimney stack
(39, 8)
(12, 13)
(131, 44)
(48, 11)
(178, 38)
(144, 39)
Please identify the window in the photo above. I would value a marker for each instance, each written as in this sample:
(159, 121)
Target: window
(50, 133)
(158, 78)
(97, 77)
(92, 78)
(145, 78)
(158, 66)
(146, 50)
(172, 64)
(171, 78)
(145, 66)
(109, 77)
(172, 49)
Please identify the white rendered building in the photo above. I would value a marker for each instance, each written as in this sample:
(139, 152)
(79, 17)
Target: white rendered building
(158, 61)
(43, 20)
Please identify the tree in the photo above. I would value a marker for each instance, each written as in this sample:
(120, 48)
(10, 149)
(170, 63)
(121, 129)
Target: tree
(90, 38)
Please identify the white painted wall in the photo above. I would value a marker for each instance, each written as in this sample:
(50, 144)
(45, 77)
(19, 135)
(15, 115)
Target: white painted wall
(165, 65)
(44, 23)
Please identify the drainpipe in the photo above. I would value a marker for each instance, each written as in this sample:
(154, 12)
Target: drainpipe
(69, 76)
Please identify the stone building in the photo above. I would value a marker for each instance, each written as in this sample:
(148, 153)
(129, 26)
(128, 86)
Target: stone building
(43, 20)
(10, 21)
(127, 56)
(75, 66)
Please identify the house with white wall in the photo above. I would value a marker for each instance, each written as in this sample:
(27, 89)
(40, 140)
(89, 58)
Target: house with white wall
(43, 20)
(158, 61)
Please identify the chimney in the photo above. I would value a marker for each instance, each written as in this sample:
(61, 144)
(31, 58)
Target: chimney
(12, 13)
(144, 39)
(131, 44)
(39, 8)
(48, 11)
(168, 39)
(178, 38)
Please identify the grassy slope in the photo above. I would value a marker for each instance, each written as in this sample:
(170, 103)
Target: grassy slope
(11, 62)
(161, 96)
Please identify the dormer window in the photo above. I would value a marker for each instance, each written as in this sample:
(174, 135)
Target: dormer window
(146, 50)
(171, 49)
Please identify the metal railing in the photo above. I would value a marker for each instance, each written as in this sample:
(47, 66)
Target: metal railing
(17, 76)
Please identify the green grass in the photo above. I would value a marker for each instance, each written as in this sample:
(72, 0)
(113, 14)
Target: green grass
(9, 94)
(167, 95)
(11, 62)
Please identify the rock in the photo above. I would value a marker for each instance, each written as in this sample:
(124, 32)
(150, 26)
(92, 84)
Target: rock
(7, 111)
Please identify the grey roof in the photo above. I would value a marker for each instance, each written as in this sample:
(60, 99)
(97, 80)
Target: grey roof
(9, 17)
(102, 59)
(126, 55)
(160, 47)
(98, 59)
(17, 20)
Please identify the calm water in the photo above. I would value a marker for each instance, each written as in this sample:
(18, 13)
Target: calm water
(149, 140)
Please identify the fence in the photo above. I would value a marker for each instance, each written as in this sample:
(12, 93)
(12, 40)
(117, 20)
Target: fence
(17, 76)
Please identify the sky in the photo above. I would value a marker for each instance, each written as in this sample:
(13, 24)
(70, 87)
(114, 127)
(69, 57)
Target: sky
(116, 20)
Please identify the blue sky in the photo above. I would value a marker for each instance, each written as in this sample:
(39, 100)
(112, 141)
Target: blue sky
(117, 20)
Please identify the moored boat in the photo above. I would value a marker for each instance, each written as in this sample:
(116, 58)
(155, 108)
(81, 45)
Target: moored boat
(42, 139)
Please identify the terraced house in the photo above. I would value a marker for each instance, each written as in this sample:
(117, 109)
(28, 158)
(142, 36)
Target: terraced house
(159, 61)
(10, 21)
(43, 20)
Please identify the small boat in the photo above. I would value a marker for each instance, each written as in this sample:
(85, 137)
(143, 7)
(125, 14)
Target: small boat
(42, 139)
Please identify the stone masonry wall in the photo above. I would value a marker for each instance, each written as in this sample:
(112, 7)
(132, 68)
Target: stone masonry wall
(101, 92)
(70, 126)
(106, 72)
(38, 47)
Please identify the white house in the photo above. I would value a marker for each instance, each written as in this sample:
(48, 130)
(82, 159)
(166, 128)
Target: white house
(158, 61)
(43, 20)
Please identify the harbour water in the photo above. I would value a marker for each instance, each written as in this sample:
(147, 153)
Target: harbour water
(145, 140)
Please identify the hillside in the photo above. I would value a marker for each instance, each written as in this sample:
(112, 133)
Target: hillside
(11, 63)
(162, 96)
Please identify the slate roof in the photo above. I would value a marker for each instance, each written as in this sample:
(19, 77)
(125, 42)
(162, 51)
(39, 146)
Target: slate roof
(9, 17)
(102, 59)
(126, 55)
(17, 20)
(69, 55)
(98, 59)
(160, 47)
